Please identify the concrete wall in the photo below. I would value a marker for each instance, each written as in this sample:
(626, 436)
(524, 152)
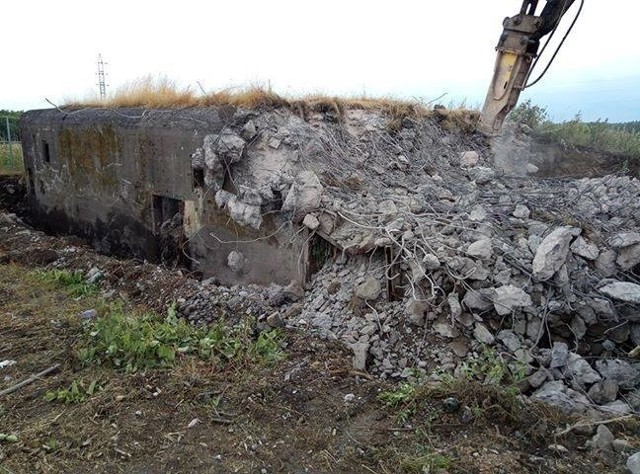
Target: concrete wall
(114, 176)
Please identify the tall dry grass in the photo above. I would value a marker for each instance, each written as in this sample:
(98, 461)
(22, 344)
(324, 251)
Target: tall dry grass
(161, 92)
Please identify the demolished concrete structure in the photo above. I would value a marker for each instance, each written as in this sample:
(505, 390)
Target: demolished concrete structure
(423, 251)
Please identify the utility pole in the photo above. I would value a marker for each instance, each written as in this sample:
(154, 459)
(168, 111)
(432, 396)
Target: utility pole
(102, 85)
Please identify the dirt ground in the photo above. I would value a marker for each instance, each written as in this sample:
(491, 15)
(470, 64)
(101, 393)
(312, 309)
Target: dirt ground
(310, 412)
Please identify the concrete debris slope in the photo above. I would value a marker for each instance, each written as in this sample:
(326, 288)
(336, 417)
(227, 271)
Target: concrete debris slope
(544, 270)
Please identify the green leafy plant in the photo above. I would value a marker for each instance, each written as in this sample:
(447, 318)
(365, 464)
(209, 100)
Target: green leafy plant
(76, 393)
(72, 280)
(143, 341)
(402, 394)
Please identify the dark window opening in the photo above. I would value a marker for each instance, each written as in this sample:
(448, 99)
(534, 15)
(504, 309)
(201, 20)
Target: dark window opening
(46, 152)
(198, 179)
(168, 224)
(320, 251)
(164, 210)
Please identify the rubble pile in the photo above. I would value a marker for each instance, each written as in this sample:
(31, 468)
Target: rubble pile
(435, 254)
(439, 255)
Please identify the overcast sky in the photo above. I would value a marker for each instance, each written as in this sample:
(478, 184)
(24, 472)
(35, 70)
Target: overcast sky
(403, 48)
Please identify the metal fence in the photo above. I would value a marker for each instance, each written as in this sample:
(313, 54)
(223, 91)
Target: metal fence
(10, 148)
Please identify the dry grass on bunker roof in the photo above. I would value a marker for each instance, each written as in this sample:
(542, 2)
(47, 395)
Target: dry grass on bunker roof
(152, 92)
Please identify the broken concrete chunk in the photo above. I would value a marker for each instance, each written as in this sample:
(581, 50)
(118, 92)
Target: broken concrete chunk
(311, 222)
(620, 371)
(521, 212)
(478, 213)
(557, 394)
(454, 305)
(629, 257)
(606, 263)
(226, 147)
(623, 291)
(559, 355)
(585, 249)
(469, 158)
(197, 159)
(369, 290)
(249, 131)
(243, 213)
(483, 335)
(624, 239)
(478, 299)
(431, 262)
(415, 311)
(509, 297)
(552, 252)
(510, 340)
(604, 392)
(579, 371)
(360, 354)
(304, 196)
(603, 439)
(235, 261)
(481, 249)
(482, 174)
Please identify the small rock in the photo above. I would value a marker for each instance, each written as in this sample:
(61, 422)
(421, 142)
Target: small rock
(482, 174)
(531, 168)
(579, 371)
(585, 249)
(620, 371)
(194, 422)
(349, 397)
(616, 408)
(275, 321)
(235, 261)
(481, 249)
(558, 448)
(478, 299)
(369, 290)
(311, 222)
(415, 311)
(509, 339)
(451, 404)
(552, 252)
(623, 291)
(603, 439)
(603, 392)
(622, 445)
(625, 239)
(360, 354)
(521, 212)
(469, 158)
(88, 314)
(508, 297)
(482, 334)
(633, 463)
(629, 257)
(538, 378)
(559, 355)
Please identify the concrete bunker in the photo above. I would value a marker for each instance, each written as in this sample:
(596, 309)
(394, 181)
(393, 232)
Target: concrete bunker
(167, 186)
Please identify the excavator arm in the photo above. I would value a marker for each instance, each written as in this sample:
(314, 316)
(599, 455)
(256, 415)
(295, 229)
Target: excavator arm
(517, 48)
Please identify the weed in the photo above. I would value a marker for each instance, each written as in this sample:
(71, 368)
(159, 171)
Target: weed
(136, 342)
(424, 460)
(76, 393)
(74, 281)
(51, 445)
(403, 394)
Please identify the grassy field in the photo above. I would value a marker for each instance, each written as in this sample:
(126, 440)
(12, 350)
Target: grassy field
(11, 161)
